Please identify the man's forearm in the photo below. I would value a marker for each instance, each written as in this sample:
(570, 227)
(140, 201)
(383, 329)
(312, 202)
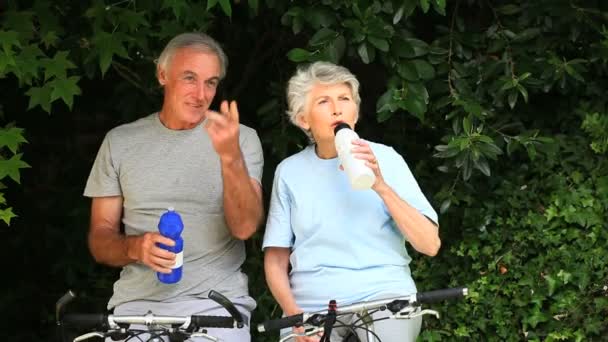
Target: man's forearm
(110, 247)
(242, 201)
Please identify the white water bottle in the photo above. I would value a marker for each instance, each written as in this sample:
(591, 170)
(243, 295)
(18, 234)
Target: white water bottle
(360, 176)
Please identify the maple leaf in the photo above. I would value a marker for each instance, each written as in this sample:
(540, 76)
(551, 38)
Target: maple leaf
(108, 45)
(12, 166)
(28, 63)
(65, 88)
(178, 6)
(6, 215)
(6, 60)
(40, 96)
(57, 66)
(9, 39)
(11, 138)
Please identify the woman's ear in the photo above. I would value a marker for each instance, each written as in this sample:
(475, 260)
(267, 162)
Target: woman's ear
(302, 121)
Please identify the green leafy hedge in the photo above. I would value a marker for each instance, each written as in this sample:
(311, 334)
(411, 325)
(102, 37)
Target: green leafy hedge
(498, 106)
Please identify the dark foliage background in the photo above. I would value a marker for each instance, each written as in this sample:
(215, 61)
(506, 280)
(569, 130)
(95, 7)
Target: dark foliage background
(499, 107)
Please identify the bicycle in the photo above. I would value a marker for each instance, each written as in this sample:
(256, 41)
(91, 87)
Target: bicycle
(116, 327)
(402, 307)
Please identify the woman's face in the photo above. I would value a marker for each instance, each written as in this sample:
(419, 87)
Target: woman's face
(326, 107)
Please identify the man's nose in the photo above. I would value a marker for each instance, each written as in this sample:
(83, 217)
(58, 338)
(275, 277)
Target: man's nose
(201, 91)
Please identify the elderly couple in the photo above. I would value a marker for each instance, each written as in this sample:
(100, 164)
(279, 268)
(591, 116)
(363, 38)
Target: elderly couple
(323, 240)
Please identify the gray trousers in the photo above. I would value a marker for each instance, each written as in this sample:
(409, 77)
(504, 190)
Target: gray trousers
(193, 307)
(387, 330)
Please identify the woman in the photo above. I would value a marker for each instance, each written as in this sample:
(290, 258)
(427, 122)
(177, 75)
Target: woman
(342, 244)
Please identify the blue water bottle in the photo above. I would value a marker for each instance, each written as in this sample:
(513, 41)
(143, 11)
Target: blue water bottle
(171, 226)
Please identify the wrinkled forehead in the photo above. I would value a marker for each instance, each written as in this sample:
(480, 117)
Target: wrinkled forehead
(195, 60)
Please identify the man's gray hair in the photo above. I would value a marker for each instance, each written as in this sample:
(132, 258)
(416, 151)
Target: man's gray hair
(306, 77)
(194, 40)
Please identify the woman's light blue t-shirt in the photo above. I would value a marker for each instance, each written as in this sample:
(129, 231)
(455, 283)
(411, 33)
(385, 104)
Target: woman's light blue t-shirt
(344, 243)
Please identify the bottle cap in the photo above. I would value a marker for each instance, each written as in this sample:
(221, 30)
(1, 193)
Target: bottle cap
(340, 126)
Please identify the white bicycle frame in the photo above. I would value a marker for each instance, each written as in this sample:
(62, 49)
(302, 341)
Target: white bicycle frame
(361, 310)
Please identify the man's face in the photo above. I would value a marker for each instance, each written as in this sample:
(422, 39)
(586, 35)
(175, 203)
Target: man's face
(190, 81)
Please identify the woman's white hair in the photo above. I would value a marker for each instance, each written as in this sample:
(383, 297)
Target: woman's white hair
(306, 77)
(194, 40)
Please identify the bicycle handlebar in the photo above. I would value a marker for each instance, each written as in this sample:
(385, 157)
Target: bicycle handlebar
(410, 300)
(105, 322)
(227, 304)
(440, 295)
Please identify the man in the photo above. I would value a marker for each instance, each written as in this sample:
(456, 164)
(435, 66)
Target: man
(202, 163)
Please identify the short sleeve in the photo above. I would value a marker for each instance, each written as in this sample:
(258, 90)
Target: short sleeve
(252, 152)
(103, 180)
(279, 232)
(405, 185)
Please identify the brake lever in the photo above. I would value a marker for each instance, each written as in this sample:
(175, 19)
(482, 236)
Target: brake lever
(410, 313)
(204, 335)
(88, 335)
(307, 332)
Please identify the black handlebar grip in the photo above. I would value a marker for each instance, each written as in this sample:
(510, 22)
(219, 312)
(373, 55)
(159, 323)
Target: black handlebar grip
(212, 322)
(86, 321)
(285, 322)
(439, 295)
(227, 304)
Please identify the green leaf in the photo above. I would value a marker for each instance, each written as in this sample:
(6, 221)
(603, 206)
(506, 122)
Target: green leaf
(6, 59)
(523, 92)
(384, 115)
(418, 90)
(108, 45)
(364, 53)
(384, 103)
(445, 205)
(398, 15)
(9, 39)
(509, 9)
(133, 20)
(11, 138)
(441, 5)
(226, 7)
(415, 107)
(319, 17)
(528, 34)
(211, 4)
(40, 96)
(512, 99)
(6, 215)
(483, 166)
(425, 5)
(177, 6)
(28, 63)
(379, 43)
(424, 69)
(11, 167)
(66, 89)
(336, 49)
(420, 48)
(298, 55)
(408, 71)
(466, 125)
(254, 5)
(57, 66)
(322, 36)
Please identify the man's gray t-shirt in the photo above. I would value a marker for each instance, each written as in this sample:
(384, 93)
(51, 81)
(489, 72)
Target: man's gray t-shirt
(154, 168)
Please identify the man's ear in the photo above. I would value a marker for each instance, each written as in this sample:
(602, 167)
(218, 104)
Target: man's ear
(302, 121)
(161, 75)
